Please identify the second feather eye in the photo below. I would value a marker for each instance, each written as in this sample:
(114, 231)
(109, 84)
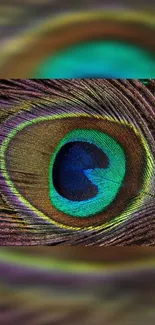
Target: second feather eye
(99, 44)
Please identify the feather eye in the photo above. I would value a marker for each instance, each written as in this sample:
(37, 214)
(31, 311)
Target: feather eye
(77, 158)
(95, 43)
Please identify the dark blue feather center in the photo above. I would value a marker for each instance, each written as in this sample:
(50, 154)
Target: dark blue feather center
(68, 171)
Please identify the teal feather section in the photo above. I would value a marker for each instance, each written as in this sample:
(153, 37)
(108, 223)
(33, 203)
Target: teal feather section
(106, 59)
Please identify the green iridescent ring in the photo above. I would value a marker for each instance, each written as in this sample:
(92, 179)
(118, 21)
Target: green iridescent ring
(107, 180)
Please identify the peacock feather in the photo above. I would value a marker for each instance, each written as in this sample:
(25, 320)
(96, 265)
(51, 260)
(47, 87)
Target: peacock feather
(77, 162)
(92, 39)
(112, 286)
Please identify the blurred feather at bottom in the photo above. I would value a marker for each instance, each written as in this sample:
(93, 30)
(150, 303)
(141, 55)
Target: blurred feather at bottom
(66, 286)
